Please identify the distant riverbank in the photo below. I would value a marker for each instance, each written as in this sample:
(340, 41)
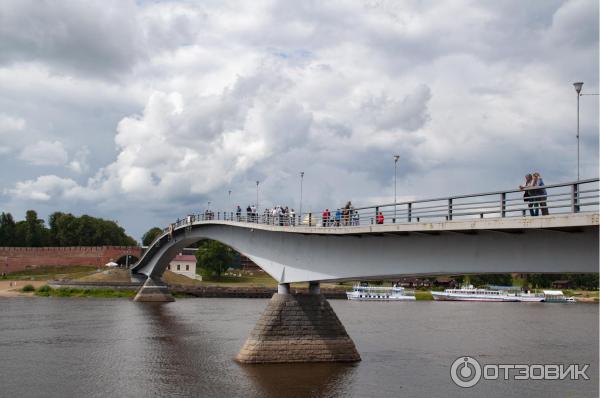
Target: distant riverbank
(107, 290)
(116, 282)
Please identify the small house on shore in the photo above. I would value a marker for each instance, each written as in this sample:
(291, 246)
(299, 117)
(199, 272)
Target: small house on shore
(184, 264)
(562, 284)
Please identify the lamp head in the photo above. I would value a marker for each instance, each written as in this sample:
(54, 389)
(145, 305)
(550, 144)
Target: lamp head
(578, 86)
(396, 157)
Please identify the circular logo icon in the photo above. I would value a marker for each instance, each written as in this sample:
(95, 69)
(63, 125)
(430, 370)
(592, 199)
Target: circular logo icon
(465, 372)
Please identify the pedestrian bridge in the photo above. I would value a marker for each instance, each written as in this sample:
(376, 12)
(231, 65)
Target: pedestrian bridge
(494, 232)
(483, 233)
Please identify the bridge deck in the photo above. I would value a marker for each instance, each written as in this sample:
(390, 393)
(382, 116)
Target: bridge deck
(564, 222)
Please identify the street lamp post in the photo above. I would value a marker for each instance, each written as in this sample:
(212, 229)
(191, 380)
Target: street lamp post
(396, 157)
(578, 87)
(229, 201)
(301, 181)
(257, 182)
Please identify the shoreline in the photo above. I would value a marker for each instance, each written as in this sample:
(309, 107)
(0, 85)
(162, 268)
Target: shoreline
(81, 289)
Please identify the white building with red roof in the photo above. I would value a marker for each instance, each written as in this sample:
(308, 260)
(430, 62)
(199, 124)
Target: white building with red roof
(184, 264)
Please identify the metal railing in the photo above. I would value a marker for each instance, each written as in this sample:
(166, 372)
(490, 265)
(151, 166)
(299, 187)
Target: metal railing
(571, 197)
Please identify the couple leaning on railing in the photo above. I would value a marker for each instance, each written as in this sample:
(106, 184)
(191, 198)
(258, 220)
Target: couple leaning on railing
(535, 194)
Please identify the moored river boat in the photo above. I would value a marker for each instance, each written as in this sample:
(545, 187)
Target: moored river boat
(377, 293)
(470, 293)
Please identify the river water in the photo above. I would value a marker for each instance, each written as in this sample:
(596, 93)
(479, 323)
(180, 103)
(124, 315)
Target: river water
(117, 348)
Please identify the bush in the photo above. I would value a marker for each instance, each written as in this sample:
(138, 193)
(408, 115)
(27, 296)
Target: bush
(28, 288)
(63, 292)
(44, 289)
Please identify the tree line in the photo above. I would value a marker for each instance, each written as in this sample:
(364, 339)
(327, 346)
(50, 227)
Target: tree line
(64, 229)
(588, 281)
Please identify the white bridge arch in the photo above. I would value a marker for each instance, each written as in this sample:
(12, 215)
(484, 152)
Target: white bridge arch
(561, 244)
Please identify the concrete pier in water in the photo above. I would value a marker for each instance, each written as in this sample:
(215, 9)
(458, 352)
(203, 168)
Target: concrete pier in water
(298, 328)
(154, 291)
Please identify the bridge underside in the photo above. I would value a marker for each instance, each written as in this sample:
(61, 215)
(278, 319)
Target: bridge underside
(335, 254)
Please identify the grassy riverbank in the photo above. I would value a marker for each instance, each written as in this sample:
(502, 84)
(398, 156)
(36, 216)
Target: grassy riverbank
(47, 291)
(9, 287)
(51, 273)
(422, 295)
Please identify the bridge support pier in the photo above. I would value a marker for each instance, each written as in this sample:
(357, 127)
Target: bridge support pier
(298, 328)
(154, 290)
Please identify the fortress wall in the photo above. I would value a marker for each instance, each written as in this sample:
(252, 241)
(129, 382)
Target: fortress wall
(14, 259)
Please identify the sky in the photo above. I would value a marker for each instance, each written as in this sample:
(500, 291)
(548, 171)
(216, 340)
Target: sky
(144, 111)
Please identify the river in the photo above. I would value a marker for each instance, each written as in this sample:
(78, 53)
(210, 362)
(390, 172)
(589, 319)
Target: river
(53, 347)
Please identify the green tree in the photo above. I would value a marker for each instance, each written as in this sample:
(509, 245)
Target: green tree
(587, 281)
(491, 279)
(35, 231)
(150, 235)
(63, 229)
(539, 281)
(214, 257)
(7, 230)
(68, 230)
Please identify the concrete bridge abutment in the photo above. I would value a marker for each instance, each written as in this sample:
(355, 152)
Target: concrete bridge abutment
(298, 328)
(154, 290)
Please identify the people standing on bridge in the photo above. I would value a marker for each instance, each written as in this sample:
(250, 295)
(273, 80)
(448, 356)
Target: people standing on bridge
(355, 216)
(238, 213)
(292, 218)
(326, 218)
(346, 214)
(380, 218)
(286, 216)
(540, 193)
(528, 193)
(338, 217)
(273, 215)
(253, 213)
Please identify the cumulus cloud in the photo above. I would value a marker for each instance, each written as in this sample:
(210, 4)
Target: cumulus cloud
(79, 163)
(45, 153)
(42, 188)
(10, 124)
(10, 129)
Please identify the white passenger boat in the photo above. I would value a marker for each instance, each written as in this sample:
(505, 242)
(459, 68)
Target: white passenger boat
(557, 296)
(529, 297)
(376, 293)
(469, 293)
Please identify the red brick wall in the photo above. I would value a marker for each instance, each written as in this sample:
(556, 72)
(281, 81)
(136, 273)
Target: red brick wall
(19, 258)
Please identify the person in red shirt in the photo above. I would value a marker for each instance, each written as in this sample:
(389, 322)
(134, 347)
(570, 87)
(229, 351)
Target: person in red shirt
(326, 218)
(380, 218)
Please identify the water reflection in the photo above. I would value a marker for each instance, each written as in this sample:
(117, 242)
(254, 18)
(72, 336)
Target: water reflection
(301, 380)
(177, 355)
